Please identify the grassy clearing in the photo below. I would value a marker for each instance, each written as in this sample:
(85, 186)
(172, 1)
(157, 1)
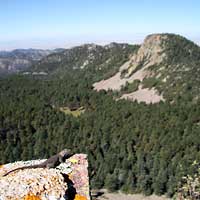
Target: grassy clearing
(75, 113)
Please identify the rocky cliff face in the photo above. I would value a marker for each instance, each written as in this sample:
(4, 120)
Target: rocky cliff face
(150, 53)
(68, 181)
(163, 66)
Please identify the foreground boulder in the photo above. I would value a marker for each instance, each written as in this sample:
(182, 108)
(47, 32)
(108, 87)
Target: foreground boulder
(68, 181)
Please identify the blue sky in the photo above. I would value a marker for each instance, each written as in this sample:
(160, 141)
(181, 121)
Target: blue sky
(63, 23)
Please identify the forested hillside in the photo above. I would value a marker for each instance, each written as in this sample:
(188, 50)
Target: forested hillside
(165, 64)
(99, 61)
(131, 146)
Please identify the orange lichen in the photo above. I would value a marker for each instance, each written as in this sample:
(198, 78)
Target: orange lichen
(79, 197)
(32, 197)
(70, 176)
(1, 166)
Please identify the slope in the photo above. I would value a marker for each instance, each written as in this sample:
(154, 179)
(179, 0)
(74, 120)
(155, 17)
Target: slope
(91, 59)
(166, 64)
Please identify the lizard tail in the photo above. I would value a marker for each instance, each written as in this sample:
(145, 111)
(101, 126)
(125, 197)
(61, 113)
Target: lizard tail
(19, 168)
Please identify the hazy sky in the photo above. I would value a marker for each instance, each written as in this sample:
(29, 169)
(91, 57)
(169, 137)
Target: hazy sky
(63, 23)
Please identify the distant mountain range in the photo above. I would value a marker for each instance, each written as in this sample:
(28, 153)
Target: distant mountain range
(20, 59)
(134, 109)
(164, 67)
(87, 57)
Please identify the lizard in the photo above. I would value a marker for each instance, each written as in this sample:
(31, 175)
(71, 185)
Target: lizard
(51, 162)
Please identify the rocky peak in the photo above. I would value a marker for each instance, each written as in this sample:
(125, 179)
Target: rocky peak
(91, 46)
(152, 47)
(150, 53)
(165, 64)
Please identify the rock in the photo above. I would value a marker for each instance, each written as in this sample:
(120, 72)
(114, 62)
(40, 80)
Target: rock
(70, 179)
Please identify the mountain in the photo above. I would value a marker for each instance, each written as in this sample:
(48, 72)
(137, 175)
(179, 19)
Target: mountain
(165, 67)
(132, 147)
(20, 59)
(92, 58)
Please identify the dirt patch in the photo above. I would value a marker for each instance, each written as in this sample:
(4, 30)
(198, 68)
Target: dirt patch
(144, 95)
(121, 196)
(116, 82)
(113, 83)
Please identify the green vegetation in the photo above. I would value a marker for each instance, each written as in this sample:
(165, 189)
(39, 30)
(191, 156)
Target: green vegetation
(76, 113)
(101, 61)
(150, 82)
(181, 51)
(131, 147)
(130, 87)
(178, 74)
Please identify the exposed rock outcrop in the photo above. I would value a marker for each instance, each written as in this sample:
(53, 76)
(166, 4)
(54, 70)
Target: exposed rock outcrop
(150, 53)
(144, 95)
(68, 181)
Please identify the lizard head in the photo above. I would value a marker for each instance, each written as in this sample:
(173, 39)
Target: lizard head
(66, 153)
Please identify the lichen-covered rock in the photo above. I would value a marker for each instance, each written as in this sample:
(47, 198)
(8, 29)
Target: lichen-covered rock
(79, 175)
(68, 179)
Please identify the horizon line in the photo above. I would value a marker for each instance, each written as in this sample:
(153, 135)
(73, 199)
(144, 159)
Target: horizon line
(44, 44)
